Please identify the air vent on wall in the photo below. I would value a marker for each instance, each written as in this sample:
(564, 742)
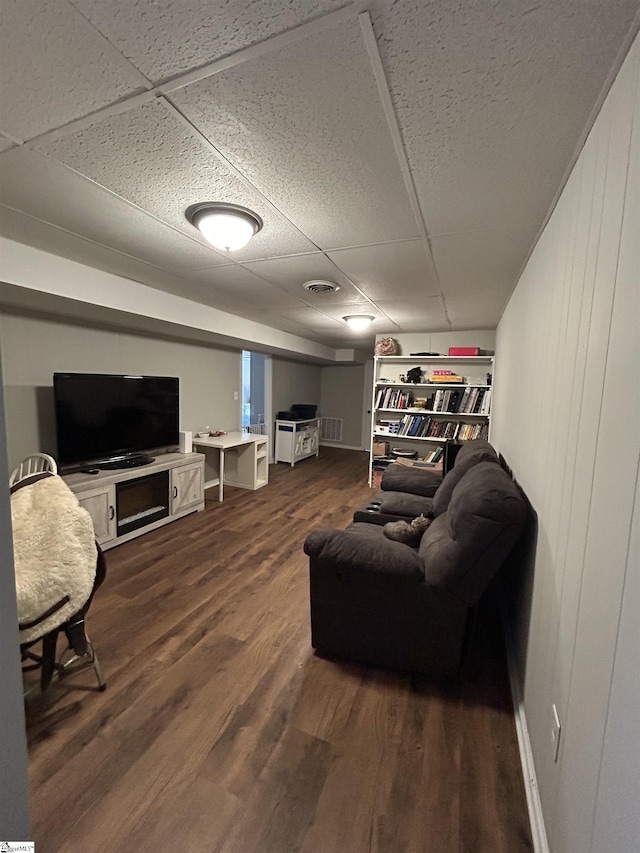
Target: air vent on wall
(319, 285)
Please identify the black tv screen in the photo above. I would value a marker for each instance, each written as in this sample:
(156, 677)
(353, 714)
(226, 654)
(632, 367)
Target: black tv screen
(101, 417)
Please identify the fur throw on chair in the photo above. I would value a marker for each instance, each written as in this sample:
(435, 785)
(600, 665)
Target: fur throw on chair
(55, 555)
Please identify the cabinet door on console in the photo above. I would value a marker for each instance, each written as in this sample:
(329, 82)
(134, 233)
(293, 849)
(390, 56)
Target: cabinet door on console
(100, 503)
(187, 487)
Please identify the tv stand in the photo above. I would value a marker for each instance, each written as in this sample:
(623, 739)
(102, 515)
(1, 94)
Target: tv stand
(129, 462)
(124, 502)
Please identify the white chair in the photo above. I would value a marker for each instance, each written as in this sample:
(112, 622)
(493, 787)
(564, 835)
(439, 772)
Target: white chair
(34, 464)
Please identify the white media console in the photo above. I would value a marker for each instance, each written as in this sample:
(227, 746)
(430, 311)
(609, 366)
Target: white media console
(124, 503)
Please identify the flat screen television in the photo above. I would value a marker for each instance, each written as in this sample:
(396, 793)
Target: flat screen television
(113, 421)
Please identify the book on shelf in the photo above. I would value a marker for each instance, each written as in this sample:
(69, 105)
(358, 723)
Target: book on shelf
(441, 379)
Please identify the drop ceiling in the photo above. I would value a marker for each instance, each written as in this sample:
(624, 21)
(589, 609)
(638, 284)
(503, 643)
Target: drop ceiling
(410, 151)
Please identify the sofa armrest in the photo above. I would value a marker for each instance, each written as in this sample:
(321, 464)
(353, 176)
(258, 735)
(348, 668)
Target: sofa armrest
(364, 550)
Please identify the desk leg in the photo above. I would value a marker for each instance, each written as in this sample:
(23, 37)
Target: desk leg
(220, 492)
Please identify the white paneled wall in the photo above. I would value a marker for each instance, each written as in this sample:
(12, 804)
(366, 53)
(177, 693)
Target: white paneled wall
(567, 419)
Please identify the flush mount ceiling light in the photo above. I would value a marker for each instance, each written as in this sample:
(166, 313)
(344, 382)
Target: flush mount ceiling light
(225, 226)
(358, 322)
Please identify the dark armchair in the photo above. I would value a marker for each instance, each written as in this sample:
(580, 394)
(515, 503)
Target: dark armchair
(382, 602)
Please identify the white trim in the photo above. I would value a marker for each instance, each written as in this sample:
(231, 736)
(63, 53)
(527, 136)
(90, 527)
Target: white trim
(534, 806)
(340, 446)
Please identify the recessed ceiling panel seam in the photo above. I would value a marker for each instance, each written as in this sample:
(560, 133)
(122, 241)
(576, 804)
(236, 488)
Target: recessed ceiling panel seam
(201, 137)
(210, 69)
(144, 80)
(88, 240)
(371, 45)
(255, 51)
(130, 204)
(324, 252)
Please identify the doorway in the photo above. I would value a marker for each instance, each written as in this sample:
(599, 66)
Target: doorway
(256, 392)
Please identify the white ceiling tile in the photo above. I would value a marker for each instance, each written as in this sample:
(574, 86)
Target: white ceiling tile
(425, 312)
(33, 183)
(305, 315)
(164, 39)
(238, 283)
(306, 125)
(481, 263)
(291, 272)
(33, 232)
(491, 98)
(401, 269)
(149, 157)
(55, 67)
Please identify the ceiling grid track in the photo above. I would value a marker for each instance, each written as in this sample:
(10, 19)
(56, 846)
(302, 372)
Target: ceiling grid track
(371, 45)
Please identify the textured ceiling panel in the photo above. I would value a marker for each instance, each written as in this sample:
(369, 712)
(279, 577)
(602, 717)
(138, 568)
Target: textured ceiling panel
(36, 184)
(305, 124)
(238, 283)
(475, 311)
(23, 229)
(482, 263)
(50, 52)
(490, 94)
(401, 269)
(311, 318)
(491, 99)
(149, 157)
(164, 39)
(410, 314)
(291, 273)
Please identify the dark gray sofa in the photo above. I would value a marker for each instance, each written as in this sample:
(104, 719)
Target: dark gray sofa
(382, 602)
(409, 492)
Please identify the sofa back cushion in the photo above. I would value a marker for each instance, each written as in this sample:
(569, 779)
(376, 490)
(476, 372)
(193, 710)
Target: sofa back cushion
(414, 481)
(464, 547)
(471, 454)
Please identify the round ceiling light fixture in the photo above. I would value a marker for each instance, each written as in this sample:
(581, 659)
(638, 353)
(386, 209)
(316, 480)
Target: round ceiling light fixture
(225, 226)
(320, 285)
(358, 322)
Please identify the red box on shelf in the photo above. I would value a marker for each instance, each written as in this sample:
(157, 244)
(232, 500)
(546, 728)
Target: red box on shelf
(464, 350)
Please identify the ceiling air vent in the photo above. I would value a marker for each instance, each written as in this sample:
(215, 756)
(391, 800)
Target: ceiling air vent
(319, 285)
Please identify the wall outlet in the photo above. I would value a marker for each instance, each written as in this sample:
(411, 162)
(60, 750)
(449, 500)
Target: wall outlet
(556, 728)
(236, 395)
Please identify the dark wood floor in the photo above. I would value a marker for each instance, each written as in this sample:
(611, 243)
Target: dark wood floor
(221, 730)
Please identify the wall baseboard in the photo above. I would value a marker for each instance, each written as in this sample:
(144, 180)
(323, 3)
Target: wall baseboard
(341, 446)
(534, 806)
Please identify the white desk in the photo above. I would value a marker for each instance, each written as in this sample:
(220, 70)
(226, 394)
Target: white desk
(249, 462)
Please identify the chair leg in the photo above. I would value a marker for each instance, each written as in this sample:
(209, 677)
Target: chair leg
(102, 684)
(78, 662)
(49, 643)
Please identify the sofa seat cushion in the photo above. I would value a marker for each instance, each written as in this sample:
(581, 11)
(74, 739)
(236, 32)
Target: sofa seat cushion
(393, 506)
(414, 481)
(463, 548)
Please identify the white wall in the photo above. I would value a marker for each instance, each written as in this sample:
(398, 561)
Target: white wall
(567, 419)
(33, 348)
(441, 341)
(342, 394)
(294, 383)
